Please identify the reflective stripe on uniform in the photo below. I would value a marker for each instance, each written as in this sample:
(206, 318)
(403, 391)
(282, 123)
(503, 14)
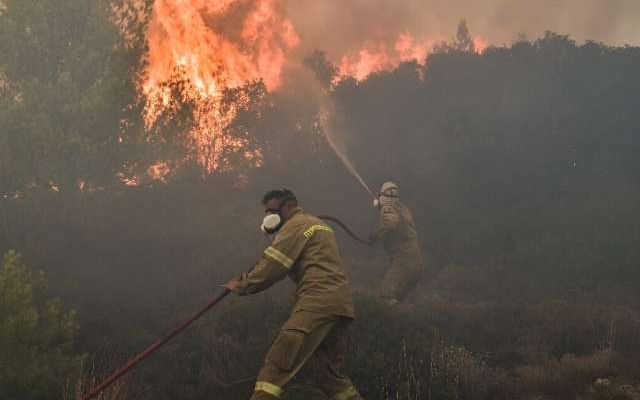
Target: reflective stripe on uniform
(268, 388)
(279, 257)
(309, 232)
(347, 394)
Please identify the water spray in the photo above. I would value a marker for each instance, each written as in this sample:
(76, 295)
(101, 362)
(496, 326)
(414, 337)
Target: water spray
(325, 113)
(347, 163)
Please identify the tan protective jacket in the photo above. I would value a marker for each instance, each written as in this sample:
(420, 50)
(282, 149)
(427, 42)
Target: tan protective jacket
(399, 232)
(305, 249)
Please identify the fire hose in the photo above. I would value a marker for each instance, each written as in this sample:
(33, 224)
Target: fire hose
(345, 228)
(129, 365)
(155, 346)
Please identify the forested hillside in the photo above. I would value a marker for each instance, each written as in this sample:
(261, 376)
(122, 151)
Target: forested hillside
(519, 163)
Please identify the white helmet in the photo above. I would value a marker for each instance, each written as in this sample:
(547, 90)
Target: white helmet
(388, 194)
(389, 189)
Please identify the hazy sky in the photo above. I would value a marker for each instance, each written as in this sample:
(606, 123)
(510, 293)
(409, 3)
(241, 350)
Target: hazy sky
(339, 25)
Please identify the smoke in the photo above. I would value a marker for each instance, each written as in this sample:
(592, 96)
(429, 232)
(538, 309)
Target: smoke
(338, 26)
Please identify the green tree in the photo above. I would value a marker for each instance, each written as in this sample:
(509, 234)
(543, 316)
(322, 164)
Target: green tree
(36, 336)
(66, 96)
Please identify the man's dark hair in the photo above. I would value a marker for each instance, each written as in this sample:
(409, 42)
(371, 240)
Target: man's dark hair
(284, 195)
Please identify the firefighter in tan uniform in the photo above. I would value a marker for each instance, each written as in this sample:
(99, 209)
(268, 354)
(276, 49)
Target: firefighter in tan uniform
(397, 229)
(315, 336)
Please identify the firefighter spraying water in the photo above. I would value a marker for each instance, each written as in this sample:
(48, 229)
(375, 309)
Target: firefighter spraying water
(399, 234)
(395, 225)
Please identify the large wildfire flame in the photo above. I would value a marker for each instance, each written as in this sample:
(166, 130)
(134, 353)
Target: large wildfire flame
(214, 46)
(219, 45)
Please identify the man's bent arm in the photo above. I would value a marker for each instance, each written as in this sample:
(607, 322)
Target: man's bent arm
(389, 220)
(274, 265)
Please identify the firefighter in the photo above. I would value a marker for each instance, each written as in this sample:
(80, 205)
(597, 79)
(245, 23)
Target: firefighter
(398, 231)
(315, 335)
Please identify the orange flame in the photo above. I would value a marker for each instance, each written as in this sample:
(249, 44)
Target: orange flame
(480, 44)
(381, 57)
(195, 36)
(214, 46)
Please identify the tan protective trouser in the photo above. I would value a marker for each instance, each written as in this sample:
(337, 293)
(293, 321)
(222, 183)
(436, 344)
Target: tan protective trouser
(401, 279)
(315, 341)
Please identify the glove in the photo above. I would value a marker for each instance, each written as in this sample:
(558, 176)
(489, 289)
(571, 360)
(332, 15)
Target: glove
(232, 284)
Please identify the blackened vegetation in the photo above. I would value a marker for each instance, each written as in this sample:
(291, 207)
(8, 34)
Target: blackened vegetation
(521, 166)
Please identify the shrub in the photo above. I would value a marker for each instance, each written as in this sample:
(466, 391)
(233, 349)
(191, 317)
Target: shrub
(36, 336)
(567, 377)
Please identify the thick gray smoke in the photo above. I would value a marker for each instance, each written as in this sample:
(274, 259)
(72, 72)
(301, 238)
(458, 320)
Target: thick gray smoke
(337, 26)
